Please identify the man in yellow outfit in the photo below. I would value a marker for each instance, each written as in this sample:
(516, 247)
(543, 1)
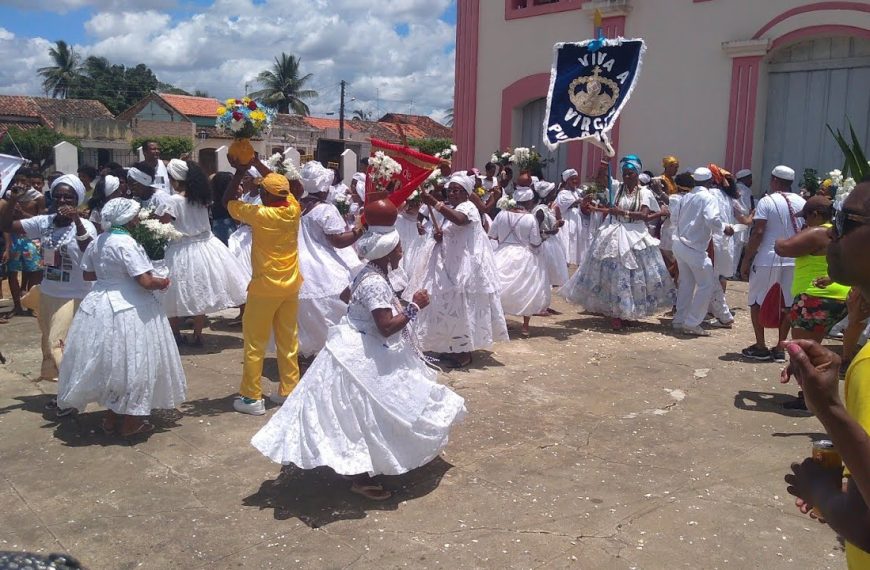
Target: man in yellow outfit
(273, 295)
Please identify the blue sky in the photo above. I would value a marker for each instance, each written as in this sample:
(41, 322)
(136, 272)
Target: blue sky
(192, 43)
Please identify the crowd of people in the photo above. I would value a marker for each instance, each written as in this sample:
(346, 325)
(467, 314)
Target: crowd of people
(370, 293)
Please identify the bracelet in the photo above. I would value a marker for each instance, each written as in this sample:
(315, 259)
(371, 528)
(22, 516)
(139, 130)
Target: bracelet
(85, 237)
(411, 311)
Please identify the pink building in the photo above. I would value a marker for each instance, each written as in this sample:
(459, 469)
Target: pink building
(743, 83)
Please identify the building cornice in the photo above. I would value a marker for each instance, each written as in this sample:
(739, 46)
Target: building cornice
(746, 48)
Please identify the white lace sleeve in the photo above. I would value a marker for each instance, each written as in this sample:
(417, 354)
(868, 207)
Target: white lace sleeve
(374, 293)
(470, 210)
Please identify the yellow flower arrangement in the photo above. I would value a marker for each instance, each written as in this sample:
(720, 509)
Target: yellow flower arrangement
(221, 111)
(480, 191)
(230, 102)
(258, 116)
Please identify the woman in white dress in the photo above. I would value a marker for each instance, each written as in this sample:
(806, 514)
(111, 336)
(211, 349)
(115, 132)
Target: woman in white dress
(522, 267)
(327, 261)
(568, 200)
(240, 240)
(368, 404)
(120, 352)
(412, 232)
(205, 277)
(551, 223)
(458, 269)
(623, 275)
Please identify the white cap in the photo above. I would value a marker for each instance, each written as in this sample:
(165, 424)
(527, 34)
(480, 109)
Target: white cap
(523, 194)
(743, 174)
(783, 173)
(702, 174)
(568, 174)
(643, 178)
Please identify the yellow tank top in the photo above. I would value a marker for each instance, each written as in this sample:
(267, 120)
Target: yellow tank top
(807, 269)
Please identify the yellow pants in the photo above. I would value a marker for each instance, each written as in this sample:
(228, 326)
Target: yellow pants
(262, 316)
(55, 316)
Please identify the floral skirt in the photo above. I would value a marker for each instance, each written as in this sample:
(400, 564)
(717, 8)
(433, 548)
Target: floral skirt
(607, 287)
(816, 314)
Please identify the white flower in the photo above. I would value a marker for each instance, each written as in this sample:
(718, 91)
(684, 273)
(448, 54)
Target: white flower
(414, 195)
(236, 126)
(290, 171)
(161, 230)
(506, 203)
(505, 155)
(342, 198)
(494, 158)
(453, 148)
(144, 213)
(384, 168)
(836, 177)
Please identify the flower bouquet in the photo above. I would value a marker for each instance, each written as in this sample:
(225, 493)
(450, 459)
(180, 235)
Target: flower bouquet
(342, 204)
(278, 163)
(382, 170)
(506, 203)
(244, 119)
(434, 179)
(526, 159)
(153, 235)
(447, 153)
(500, 157)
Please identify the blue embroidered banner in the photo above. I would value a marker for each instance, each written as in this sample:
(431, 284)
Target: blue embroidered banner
(590, 83)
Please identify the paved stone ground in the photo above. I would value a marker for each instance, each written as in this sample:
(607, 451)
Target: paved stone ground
(582, 449)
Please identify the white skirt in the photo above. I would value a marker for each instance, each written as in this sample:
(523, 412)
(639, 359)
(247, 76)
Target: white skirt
(239, 244)
(525, 285)
(456, 322)
(315, 318)
(556, 261)
(362, 408)
(204, 278)
(127, 362)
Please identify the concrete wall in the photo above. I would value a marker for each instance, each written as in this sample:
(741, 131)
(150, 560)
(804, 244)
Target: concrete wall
(94, 129)
(683, 100)
(142, 128)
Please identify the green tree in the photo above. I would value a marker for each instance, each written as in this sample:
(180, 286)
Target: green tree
(283, 86)
(59, 78)
(36, 144)
(430, 146)
(170, 147)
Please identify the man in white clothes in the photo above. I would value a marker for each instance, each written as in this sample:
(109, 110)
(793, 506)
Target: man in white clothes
(151, 150)
(775, 218)
(696, 220)
(746, 201)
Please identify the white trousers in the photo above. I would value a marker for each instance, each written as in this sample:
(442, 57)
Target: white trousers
(699, 288)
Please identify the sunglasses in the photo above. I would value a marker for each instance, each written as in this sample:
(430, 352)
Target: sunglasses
(844, 222)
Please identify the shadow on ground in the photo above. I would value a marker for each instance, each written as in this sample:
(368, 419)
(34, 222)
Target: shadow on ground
(767, 402)
(318, 497)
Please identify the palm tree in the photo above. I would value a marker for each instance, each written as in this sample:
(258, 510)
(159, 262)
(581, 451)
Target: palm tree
(283, 86)
(448, 117)
(361, 115)
(58, 79)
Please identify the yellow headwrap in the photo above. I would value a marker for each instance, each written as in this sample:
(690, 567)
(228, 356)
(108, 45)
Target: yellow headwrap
(670, 161)
(276, 184)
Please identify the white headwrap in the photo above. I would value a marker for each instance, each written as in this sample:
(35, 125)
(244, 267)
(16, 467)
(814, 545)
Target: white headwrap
(360, 178)
(177, 169)
(375, 245)
(568, 174)
(73, 182)
(110, 185)
(467, 182)
(118, 212)
(643, 178)
(254, 173)
(316, 178)
(743, 174)
(523, 194)
(543, 188)
(138, 176)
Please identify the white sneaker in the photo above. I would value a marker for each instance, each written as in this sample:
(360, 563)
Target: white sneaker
(717, 324)
(694, 331)
(277, 398)
(249, 406)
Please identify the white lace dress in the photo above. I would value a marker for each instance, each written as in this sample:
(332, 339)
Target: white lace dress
(572, 232)
(326, 272)
(412, 242)
(459, 273)
(204, 276)
(241, 240)
(553, 248)
(368, 403)
(522, 268)
(120, 352)
(623, 274)
(725, 247)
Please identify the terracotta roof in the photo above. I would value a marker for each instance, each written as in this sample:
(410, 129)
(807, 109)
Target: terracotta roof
(411, 131)
(431, 127)
(48, 110)
(324, 123)
(192, 106)
(24, 126)
(293, 122)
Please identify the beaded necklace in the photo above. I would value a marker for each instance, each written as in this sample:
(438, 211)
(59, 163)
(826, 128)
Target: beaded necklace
(48, 240)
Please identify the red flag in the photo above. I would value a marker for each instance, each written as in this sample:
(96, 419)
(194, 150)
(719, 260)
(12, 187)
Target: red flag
(416, 168)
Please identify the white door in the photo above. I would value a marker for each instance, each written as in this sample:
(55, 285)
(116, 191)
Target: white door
(811, 84)
(532, 134)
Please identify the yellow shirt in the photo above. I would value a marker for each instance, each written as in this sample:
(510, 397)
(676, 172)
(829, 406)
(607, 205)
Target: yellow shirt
(274, 253)
(858, 406)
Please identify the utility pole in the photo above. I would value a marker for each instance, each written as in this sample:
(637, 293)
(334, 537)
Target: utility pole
(341, 112)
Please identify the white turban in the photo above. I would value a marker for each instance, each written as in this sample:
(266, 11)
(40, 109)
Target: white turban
(523, 194)
(568, 174)
(73, 182)
(375, 245)
(138, 176)
(467, 182)
(360, 185)
(110, 185)
(118, 212)
(543, 188)
(316, 178)
(702, 174)
(644, 178)
(177, 169)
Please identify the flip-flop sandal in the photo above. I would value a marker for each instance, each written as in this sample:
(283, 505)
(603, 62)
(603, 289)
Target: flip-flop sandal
(144, 427)
(372, 492)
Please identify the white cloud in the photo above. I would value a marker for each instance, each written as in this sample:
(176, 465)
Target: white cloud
(225, 46)
(19, 60)
(64, 6)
